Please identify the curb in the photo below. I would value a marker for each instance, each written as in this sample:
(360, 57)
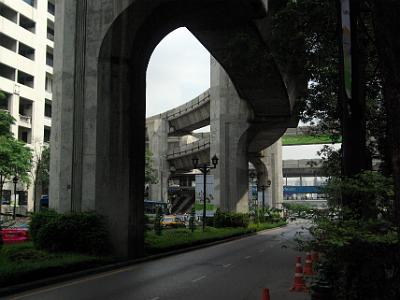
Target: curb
(19, 288)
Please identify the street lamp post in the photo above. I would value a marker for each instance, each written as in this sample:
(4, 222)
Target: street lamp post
(262, 188)
(255, 200)
(15, 181)
(205, 168)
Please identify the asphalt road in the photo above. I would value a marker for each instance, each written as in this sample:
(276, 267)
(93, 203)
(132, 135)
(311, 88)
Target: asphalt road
(235, 270)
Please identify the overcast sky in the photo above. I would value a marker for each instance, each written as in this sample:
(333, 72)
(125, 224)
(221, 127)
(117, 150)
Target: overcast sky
(179, 70)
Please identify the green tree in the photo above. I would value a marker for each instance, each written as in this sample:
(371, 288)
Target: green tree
(386, 25)
(15, 156)
(150, 176)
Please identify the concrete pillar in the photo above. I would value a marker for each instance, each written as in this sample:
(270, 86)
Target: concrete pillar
(276, 174)
(157, 129)
(228, 119)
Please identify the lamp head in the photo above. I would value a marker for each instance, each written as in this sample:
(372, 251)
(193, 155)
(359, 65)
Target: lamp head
(215, 160)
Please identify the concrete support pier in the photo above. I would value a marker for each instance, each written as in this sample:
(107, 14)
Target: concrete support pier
(229, 116)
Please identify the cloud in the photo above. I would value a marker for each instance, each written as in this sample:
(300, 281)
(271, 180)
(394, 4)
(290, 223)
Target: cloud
(179, 70)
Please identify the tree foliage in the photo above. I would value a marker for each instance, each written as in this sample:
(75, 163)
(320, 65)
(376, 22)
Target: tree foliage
(15, 156)
(150, 176)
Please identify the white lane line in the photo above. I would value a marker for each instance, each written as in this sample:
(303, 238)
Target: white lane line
(247, 257)
(198, 279)
(155, 298)
(226, 266)
(45, 290)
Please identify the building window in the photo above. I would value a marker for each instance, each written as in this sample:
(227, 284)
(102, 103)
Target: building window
(50, 30)
(22, 197)
(49, 83)
(6, 197)
(51, 8)
(7, 72)
(8, 13)
(24, 134)
(26, 23)
(47, 109)
(7, 42)
(49, 57)
(25, 79)
(46, 135)
(25, 110)
(4, 103)
(26, 51)
(30, 2)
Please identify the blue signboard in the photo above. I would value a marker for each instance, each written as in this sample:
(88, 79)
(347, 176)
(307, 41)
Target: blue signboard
(293, 189)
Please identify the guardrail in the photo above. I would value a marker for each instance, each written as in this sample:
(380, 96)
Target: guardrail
(25, 119)
(190, 106)
(189, 149)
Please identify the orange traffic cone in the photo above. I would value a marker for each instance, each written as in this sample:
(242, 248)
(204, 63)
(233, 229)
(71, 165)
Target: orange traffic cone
(265, 294)
(315, 256)
(298, 285)
(308, 270)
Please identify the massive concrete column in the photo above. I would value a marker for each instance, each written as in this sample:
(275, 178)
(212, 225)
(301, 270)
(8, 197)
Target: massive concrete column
(157, 130)
(275, 152)
(229, 121)
(268, 165)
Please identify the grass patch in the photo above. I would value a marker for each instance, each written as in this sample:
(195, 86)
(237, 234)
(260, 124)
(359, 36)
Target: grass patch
(22, 263)
(173, 239)
(291, 140)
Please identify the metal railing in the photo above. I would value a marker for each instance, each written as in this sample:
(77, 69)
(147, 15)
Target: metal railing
(189, 149)
(190, 106)
(25, 119)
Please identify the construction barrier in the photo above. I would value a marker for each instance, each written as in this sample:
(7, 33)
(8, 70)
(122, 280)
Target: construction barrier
(298, 284)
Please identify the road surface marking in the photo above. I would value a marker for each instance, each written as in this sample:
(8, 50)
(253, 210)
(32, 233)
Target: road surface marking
(45, 290)
(262, 250)
(155, 298)
(227, 265)
(247, 257)
(198, 279)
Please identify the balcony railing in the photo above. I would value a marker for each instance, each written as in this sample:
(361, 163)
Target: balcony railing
(25, 119)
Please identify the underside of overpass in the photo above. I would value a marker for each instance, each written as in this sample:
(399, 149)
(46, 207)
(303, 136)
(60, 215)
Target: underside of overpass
(103, 49)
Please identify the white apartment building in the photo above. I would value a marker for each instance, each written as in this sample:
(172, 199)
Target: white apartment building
(26, 76)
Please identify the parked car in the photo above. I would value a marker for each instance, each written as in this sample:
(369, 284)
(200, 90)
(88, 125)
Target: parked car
(172, 221)
(14, 235)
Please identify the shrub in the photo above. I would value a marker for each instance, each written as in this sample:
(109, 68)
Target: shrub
(361, 257)
(39, 220)
(229, 219)
(78, 232)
